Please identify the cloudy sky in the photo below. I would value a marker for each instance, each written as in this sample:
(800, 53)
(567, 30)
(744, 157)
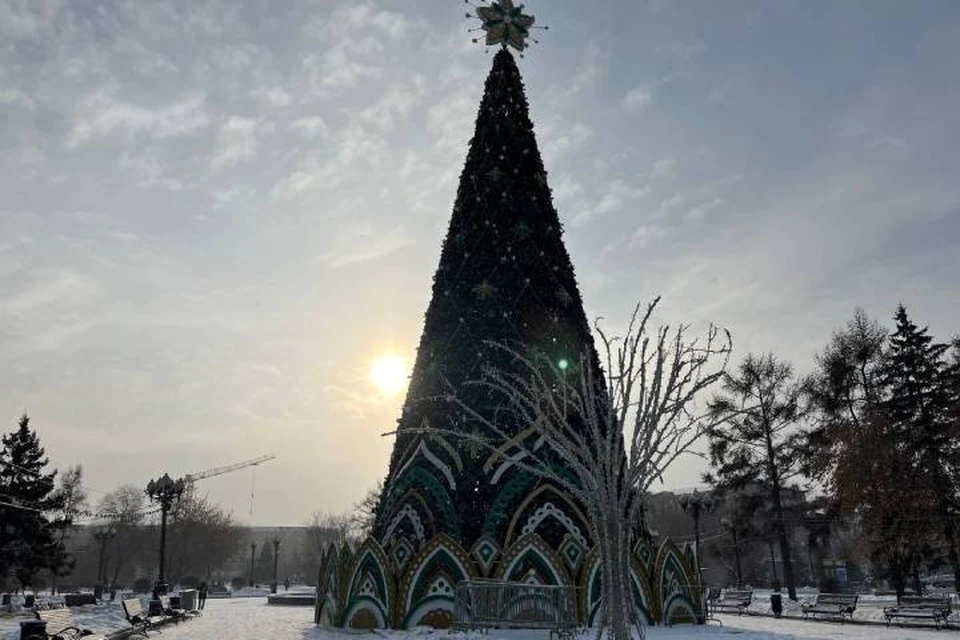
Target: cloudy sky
(214, 214)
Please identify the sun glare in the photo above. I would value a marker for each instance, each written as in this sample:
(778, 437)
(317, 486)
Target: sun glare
(389, 374)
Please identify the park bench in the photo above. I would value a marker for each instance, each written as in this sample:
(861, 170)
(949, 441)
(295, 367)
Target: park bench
(177, 614)
(60, 625)
(733, 600)
(138, 618)
(837, 605)
(920, 607)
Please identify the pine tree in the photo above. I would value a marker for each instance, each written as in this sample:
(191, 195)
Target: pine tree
(918, 406)
(29, 544)
(758, 445)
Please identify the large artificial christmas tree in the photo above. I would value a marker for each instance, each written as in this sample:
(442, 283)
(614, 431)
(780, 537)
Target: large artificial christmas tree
(504, 277)
(461, 500)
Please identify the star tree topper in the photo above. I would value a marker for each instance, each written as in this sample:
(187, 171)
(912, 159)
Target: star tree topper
(506, 24)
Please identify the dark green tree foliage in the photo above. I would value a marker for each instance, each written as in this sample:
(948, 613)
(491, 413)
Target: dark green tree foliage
(28, 543)
(843, 391)
(504, 276)
(758, 444)
(918, 407)
(884, 442)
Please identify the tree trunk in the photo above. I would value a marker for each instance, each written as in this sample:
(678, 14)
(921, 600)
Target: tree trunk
(617, 612)
(781, 527)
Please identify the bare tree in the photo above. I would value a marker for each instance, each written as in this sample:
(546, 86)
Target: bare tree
(322, 529)
(71, 498)
(616, 435)
(126, 507)
(201, 539)
(365, 512)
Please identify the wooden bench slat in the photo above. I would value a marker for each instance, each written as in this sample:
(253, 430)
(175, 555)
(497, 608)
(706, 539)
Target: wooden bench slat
(60, 624)
(934, 608)
(841, 605)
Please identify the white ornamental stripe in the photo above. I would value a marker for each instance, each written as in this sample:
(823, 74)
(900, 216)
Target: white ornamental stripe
(406, 512)
(433, 459)
(548, 510)
(512, 460)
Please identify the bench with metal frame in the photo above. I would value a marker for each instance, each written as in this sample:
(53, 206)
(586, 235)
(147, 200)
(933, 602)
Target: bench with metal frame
(139, 619)
(60, 625)
(481, 605)
(837, 605)
(936, 608)
(732, 600)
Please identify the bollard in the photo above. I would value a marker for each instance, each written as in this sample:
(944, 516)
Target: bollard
(33, 630)
(776, 604)
(155, 608)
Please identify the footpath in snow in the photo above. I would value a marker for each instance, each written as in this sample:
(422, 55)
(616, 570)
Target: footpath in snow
(253, 619)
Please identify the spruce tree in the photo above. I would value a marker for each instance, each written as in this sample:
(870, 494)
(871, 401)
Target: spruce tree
(29, 544)
(917, 378)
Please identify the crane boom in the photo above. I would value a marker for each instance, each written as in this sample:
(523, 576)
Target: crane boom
(190, 478)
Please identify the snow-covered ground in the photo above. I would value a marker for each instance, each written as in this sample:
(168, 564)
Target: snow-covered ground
(251, 618)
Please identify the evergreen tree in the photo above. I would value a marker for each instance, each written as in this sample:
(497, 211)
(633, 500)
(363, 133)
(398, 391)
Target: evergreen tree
(843, 392)
(29, 543)
(918, 406)
(758, 443)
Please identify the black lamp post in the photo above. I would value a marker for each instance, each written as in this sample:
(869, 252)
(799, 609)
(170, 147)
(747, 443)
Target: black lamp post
(736, 549)
(164, 490)
(103, 535)
(697, 504)
(253, 558)
(276, 556)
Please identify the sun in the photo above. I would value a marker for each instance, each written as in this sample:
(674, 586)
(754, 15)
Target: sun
(389, 374)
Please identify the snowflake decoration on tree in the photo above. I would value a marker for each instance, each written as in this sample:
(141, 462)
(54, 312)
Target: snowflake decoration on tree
(506, 24)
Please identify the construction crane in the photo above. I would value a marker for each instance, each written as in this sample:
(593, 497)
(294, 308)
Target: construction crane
(191, 478)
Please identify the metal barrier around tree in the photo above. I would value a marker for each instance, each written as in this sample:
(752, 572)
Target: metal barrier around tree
(485, 604)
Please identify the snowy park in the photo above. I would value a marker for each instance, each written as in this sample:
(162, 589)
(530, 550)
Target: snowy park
(251, 618)
(478, 319)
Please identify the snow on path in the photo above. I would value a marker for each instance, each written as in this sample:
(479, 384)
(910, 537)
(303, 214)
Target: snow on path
(254, 619)
(823, 630)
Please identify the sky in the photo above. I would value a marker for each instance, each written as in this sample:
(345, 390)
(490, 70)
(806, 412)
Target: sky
(216, 214)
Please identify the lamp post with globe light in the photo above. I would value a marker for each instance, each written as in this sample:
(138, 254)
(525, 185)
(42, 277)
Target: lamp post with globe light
(165, 491)
(736, 548)
(697, 504)
(102, 535)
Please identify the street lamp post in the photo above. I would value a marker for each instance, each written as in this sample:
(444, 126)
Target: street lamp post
(253, 557)
(736, 549)
(165, 491)
(103, 535)
(696, 504)
(276, 556)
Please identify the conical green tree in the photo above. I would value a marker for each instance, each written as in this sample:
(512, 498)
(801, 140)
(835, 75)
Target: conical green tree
(918, 380)
(504, 276)
(27, 493)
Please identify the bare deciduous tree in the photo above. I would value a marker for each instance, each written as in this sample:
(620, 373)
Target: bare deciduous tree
(616, 435)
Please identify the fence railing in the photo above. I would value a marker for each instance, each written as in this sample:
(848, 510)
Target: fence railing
(481, 604)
